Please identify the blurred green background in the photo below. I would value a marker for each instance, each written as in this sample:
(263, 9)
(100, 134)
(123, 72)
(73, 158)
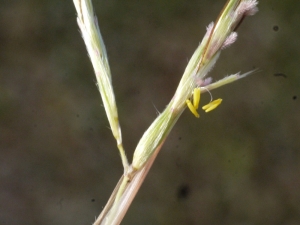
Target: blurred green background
(238, 165)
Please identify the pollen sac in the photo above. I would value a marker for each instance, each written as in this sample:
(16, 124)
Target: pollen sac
(192, 108)
(196, 97)
(212, 105)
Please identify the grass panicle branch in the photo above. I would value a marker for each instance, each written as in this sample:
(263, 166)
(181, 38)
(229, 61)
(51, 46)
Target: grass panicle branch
(90, 31)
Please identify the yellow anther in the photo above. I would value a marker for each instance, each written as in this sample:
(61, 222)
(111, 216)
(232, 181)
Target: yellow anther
(192, 108)
(196, 98)
(212, 105)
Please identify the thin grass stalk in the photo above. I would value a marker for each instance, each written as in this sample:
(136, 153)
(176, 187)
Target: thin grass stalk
(128, 195)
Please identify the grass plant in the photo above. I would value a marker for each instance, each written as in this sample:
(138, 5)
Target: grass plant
(219, 35)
